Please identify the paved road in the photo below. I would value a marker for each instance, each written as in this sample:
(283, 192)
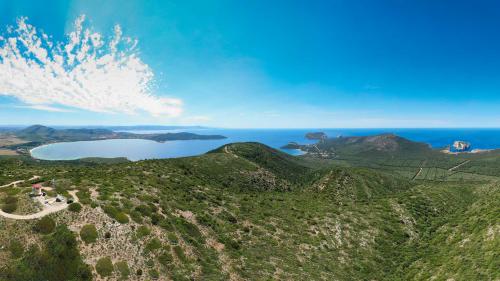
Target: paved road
(53, 208)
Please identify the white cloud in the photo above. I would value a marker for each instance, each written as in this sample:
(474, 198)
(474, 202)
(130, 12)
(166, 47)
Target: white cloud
(44, 108)
(87, 71)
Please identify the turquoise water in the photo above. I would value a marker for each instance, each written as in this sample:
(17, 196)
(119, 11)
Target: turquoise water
(145, 149)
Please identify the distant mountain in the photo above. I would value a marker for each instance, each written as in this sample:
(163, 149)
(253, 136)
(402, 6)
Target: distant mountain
(39, 133)
(36, 131)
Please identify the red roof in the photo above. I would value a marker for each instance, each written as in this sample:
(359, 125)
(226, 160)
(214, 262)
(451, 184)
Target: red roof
(37, 186)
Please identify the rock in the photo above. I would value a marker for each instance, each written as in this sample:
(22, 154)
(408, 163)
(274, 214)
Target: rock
(461, 146)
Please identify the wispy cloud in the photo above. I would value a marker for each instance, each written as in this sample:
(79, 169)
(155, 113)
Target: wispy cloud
(87, 71)
(43, 107)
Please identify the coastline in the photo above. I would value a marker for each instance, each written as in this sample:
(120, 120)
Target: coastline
(474, 151)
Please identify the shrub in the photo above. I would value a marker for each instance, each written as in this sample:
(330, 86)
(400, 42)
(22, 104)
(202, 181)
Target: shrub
(144, 210)
(138, 272)
(180, 253)
(122, 218)
(16, 249)
(45, 225)
(107, 235)
(75, 207)
(88, 233)
(153, 273)
(123, 269)
(10, 199)
(9, 208)
(136, 216)
(172, 238)
(143, 231)
(104, 266)
(165, 258)
(116, 214)
(84, 197)
(153, 244)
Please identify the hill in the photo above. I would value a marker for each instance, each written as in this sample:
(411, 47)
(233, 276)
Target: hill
(248, 212)
(39, 133)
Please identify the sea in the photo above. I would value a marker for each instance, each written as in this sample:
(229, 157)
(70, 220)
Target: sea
(137, 149)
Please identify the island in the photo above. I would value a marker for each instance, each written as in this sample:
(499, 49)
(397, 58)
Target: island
(22, 140)
(316, 136)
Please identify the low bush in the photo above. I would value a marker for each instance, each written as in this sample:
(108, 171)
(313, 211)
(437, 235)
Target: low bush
(45, 225)
(104, 267)
(9, 208)
(123, 269)
(153, 244)
(88, 233)
(153, 273)
(75, 207)
(116, 214)
(165, 259)
(143, 231)
(16, 249)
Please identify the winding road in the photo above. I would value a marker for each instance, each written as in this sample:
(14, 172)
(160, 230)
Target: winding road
(14, 183)
(47, 209)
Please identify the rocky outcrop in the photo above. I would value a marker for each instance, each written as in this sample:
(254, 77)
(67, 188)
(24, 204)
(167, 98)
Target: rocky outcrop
(461, 146)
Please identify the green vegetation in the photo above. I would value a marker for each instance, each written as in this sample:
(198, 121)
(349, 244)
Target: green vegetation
(16, 249)
(123, 269)
(9, 204)
(75, 207)
(88, 233)
(45, 225)
(57, 260)
(104, 267)
(143, 231)
(375, 209)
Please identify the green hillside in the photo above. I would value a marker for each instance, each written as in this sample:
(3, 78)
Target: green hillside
(248, 212)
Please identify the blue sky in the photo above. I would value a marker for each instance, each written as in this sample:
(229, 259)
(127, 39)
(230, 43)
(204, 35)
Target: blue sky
(272, 64)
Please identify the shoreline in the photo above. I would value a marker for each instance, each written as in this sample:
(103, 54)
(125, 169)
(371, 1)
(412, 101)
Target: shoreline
(474, 151)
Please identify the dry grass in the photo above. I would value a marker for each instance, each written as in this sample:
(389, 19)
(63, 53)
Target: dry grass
(10, 140)
(8, 152)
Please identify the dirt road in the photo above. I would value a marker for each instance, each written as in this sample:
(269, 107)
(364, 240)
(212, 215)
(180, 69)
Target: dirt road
(14, 183)
(458, 166)
(47, 209)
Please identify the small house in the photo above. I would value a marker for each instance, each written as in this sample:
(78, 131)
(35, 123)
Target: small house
(36, 189)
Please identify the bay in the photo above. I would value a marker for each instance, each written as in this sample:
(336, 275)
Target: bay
(135, 149)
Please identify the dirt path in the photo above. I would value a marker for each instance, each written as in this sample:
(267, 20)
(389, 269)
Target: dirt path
(418, 174)
(459, 165)
(55, 207)
(226, 150)
(14, 183)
